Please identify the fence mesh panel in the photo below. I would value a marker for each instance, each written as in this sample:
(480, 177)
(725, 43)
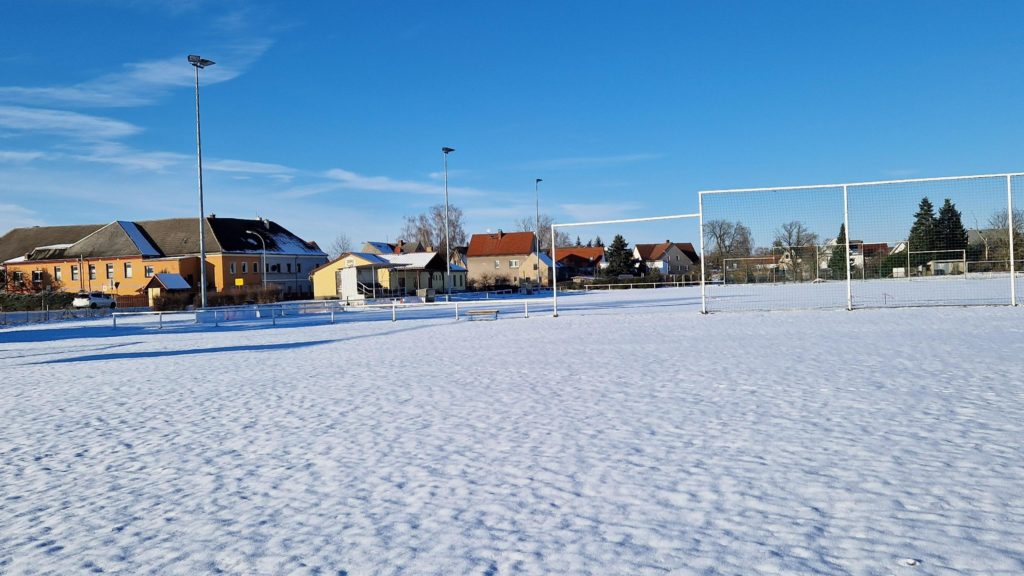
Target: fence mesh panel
(933, 242)
(940, 259)
(766, 249)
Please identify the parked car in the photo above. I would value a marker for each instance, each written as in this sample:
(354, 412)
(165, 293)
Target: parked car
(93, 300)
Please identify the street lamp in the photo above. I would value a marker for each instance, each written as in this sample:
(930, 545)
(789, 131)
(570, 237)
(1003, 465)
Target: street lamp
(198, 62)
(263, 259)
(447, 237)
(536, 237)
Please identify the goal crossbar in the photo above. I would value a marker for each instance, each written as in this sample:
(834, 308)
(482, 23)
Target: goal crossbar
(554, 258)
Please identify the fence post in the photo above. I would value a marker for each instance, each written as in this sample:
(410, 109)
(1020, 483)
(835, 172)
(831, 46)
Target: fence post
(1009, 223)
(393, 308)
(846, 220)
(526, 308)
(703, 256)
(160, 317)
(332, 315)
(456, 310)
(114, 318)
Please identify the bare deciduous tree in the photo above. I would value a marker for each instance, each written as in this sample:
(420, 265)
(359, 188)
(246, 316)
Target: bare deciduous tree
(341, 244)
(727, 240)
(428, 228)
(797, 244)
(529, 224)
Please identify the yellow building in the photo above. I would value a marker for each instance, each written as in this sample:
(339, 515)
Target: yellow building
(357, 276)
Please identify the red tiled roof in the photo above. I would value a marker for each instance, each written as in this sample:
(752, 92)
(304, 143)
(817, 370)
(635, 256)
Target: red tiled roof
(587, 253)
(500, 244)
(649, 252)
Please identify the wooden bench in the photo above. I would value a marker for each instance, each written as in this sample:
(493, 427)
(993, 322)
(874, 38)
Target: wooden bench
(474, 314)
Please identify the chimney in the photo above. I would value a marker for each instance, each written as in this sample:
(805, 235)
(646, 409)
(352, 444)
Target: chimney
(500, 233)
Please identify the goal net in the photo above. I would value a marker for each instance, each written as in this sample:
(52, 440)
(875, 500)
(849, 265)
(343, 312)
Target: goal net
(826, 246)
(596, 260)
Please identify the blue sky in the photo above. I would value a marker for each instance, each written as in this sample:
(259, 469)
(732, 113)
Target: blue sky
(328, 117)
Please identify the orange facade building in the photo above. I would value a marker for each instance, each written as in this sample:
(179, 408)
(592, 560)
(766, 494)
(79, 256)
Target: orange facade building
(121, 257)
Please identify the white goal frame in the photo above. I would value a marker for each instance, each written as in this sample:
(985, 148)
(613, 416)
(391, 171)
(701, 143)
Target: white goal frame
(962, 259)
(554, 258)
(846, 221)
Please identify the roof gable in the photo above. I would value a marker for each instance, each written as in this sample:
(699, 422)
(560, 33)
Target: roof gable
(500, 244)
(590, 253)
(21, 241)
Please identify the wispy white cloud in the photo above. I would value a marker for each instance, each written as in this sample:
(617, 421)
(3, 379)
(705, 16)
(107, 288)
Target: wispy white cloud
(127, 157)
(20, 157)
(15, 216)
(601, 211)
(139, 83)
(244, 166)
(64, 123)
(591, 161)
(340, 179)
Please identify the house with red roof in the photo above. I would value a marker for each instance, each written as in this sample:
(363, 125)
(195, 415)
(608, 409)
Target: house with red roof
(677, 259)
(505, 257)
(579, 260)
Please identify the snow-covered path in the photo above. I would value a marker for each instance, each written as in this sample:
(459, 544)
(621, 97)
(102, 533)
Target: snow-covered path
(645, 440)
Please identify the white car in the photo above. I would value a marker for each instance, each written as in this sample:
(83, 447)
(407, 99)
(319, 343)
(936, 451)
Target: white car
(93, 300)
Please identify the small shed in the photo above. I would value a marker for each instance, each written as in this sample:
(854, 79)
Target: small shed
(165, 282)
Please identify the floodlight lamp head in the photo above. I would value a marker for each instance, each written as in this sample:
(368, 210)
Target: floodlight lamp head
(446, 150)
(199, 62)
(540, 179)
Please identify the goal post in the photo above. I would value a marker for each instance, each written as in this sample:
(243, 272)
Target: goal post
(558, 226)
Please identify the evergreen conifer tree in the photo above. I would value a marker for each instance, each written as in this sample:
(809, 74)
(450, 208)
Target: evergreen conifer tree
(950, 231)
(598, 242)
(620, 259)
(837, 262)
(923, 232)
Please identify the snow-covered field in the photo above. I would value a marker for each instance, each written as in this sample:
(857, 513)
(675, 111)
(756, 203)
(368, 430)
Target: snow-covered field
(971, 290)
(630, 435)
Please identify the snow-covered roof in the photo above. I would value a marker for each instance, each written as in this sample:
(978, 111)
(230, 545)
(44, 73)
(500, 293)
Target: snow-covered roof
(54, 247)
(15, 260)
(410, 260)
(139, 239)
(370, 258)
(172, 281)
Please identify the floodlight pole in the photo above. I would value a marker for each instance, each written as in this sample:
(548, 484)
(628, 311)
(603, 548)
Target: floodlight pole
(197, 63)
(536, 191)
(263, 259)
(447, 237)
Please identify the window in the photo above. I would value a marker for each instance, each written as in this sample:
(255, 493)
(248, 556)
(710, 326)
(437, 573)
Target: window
(127, 269)
(289, 267)
(298, 267)
(74, 272)
(37, 276)
(56, 273)
(92, 271)
(513, 263)
(148, 270)
(245, 267)
(110, 271)
(497, 264)
(255, 266)
(17, 276)
(232, 267)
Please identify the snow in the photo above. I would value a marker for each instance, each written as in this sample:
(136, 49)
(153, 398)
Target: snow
(139, 239)
(172, 281)
(410, 259)
(630, 435)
